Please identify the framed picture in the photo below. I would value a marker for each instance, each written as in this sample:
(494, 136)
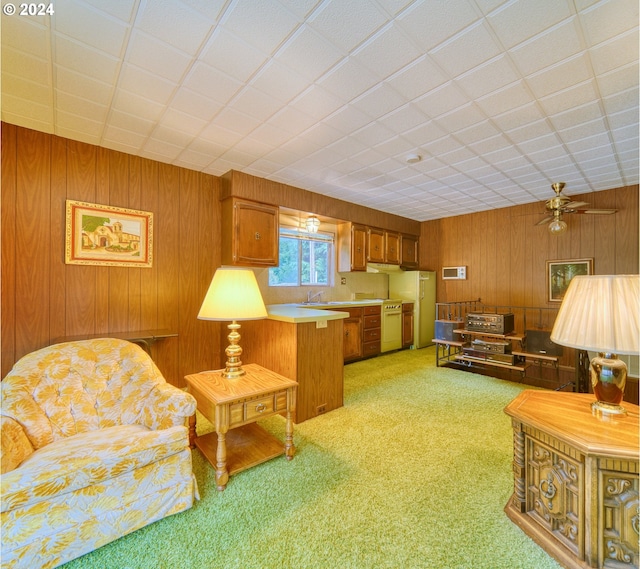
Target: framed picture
(107, 235)
(560, 273)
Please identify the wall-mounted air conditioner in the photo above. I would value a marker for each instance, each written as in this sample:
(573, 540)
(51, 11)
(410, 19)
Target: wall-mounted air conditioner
(454, 273)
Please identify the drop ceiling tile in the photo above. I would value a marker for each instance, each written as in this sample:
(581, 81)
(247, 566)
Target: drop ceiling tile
(477, 132)
(623, 118)
(25, 34)
(133, 104)
(487, 78)
(123, 136)
(90, 27)
(378, 101)
(232, 120)
(441, 100)
(347, 24)
(212, 83)
(195, 104)
(26, 66)
(22, 112)
(505, 99)
(316, 102)
(519, 117)
(82, 86)
(467, 49)
(121, 9)
(431, 23)
(347, 119)
(520, 20)
(402, 119)
(183, 123)
(73, 134)
(147, 85)
(85, 60)
(417, 78)
(157, 57)
(548, 48)
(387, 52)
(216, 134)
(174, 23)
(576, 116)
(292, 120)
(309, 54)
(604, 20)
(90, 129)
(84, 108)
(462, 118)
(425, 133)
(599, 139)
(563, 75)
(619, 51)
(132, 122)
(618, 80)
(279, 81)
(155, 148)
(262, 24)
(348, 80)
(256, 103)
(233, 56)
(566, 99)
(211, 9)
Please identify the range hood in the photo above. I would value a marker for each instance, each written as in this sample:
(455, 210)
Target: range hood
(382, 268)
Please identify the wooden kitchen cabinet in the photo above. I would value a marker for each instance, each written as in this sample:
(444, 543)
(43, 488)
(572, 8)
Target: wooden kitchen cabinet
(407, 324)
(371, 331)
(249, 233)
(409, 251)
(352, 334)
(375, 245)
(391, 248)
(352, 247)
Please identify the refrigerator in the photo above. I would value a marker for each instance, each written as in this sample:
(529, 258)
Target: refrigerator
(418, 287)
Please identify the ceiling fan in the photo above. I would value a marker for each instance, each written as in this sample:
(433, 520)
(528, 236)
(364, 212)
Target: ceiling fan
(561, 204)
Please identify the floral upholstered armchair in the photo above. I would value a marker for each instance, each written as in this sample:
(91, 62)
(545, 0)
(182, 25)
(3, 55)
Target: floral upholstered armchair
(94, 446)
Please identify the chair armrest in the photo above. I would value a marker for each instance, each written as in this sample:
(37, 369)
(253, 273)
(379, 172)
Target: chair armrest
(167, 406)
(14, 444)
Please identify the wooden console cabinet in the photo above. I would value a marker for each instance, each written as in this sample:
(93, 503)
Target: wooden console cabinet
(576, 479)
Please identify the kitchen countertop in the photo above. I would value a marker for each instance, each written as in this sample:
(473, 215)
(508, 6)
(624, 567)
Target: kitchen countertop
(314, 312)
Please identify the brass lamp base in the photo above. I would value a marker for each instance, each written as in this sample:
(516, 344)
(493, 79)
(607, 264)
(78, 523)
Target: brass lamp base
(233, 369)
(608, 378)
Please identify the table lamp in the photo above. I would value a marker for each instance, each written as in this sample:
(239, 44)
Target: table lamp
(233, 295)
(600, 313)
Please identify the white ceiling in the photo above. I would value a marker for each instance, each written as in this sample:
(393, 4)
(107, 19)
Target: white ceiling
(500, 98)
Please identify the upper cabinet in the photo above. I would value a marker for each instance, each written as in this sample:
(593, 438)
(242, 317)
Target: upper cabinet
(409, 251)
(359, 245)
(391, 248)
(375, 245)
(352, 247)
(249, 233)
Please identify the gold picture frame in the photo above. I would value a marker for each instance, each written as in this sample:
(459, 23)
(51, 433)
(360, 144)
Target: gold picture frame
(560, 273)
(107, 235)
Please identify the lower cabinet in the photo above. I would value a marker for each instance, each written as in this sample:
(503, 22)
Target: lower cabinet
(407, 324)
(361, 332)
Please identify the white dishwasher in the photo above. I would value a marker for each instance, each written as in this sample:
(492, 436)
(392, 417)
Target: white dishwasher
(391, 326)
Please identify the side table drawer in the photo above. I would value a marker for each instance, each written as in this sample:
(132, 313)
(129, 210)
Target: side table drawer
(255, 408)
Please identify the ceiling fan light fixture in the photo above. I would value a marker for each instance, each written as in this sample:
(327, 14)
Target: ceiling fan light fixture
(557, 226)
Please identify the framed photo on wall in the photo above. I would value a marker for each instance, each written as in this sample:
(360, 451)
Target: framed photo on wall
(560, 273)
(107, 235)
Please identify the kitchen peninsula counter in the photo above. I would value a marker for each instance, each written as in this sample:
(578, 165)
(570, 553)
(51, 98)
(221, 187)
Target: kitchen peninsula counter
(303, 344)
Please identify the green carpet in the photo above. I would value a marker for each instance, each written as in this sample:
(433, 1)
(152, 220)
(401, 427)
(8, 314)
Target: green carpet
(413, 472)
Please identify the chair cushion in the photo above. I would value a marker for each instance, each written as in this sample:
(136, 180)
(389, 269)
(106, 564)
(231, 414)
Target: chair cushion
(87, 459)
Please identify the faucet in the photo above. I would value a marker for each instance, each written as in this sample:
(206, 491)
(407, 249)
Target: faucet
(310, 296)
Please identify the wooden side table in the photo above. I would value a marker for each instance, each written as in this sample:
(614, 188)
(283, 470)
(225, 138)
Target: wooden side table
(234, 406)
(576, 485)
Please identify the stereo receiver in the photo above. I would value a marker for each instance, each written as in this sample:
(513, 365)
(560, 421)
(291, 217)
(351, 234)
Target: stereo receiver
(491, 323)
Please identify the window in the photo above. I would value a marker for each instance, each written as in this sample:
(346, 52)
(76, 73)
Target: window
(304, 259)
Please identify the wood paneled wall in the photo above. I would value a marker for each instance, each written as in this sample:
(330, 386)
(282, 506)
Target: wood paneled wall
(44, 299)
(506, 252)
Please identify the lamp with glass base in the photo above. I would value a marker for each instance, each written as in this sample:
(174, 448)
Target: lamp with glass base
(601, 313)
(233, 295)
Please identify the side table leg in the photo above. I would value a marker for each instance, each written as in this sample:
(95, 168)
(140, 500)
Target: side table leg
(222, 474)
(289, 447)
(192, 431)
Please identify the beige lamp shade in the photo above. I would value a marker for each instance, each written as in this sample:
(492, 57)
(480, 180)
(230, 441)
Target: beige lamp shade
(233, 295)
(600, 313)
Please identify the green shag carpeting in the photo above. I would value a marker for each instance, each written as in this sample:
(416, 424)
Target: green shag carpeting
(413, 472)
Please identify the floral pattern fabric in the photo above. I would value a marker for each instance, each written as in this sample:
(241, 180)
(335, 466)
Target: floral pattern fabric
(94, 446)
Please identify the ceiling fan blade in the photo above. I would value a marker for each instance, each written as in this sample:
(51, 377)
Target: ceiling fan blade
(574, 205)
(545, 220)
(596, 211)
